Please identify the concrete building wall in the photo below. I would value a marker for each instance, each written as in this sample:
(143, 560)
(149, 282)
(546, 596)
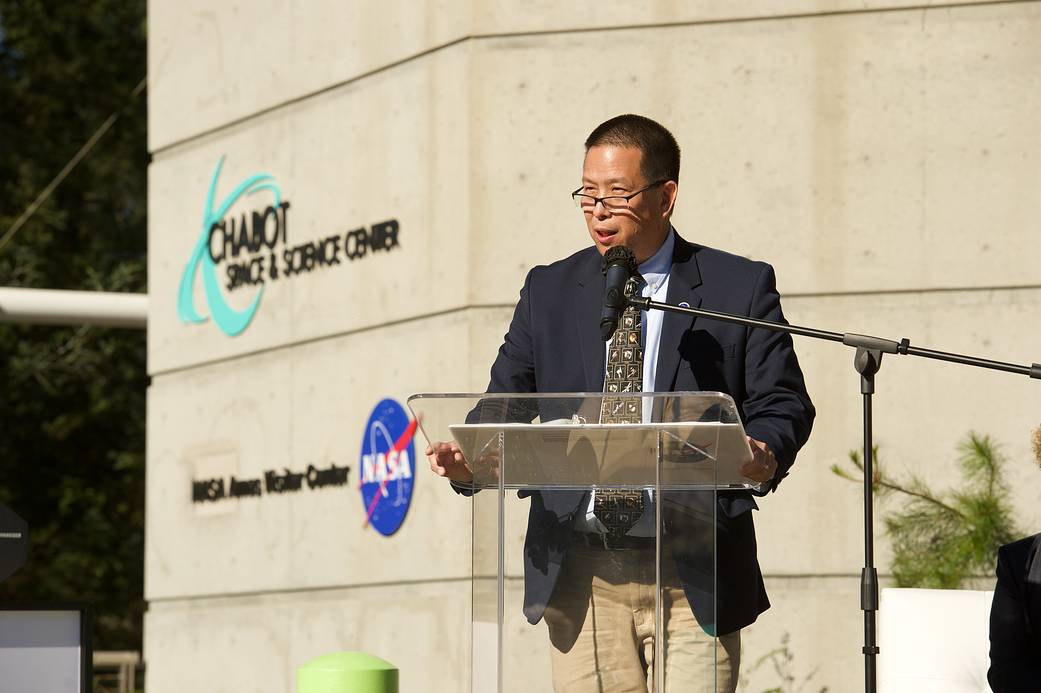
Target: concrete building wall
(884, 157)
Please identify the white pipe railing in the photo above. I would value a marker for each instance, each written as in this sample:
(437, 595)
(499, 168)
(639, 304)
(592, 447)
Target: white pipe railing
(54, 307)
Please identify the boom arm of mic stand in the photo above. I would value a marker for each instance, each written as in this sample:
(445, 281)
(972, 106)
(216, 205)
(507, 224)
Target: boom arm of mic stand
(852, 339)
(867, 361)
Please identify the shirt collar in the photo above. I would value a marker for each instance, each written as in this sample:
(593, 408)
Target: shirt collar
(656, 268)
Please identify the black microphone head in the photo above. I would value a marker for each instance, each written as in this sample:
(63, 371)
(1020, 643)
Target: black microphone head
(620, 255)
(619, 266)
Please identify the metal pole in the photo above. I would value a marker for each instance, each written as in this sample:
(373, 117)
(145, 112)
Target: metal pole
(55, 307)
(867, 362)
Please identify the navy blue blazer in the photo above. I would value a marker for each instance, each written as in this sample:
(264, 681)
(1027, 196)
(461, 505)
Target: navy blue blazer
(1015, 619)
(553, 345)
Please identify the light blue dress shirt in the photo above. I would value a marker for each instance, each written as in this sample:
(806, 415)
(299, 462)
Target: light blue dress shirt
(655, 272)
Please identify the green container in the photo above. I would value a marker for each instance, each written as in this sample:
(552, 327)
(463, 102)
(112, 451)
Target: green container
(347, 672)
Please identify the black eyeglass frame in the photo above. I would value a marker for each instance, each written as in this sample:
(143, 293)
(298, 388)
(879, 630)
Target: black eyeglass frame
(578, 195)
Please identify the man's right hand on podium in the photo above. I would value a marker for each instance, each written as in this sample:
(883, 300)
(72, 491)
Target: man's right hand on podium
(447, 460)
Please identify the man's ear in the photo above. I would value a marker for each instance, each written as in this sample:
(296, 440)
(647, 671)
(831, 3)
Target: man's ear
(669, 192)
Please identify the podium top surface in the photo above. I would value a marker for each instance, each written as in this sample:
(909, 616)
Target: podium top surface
(679, 440)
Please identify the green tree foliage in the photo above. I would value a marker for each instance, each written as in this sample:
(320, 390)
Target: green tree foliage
(72, 399)
(941, 539)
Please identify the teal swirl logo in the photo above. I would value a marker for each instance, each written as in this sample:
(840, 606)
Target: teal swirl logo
(229, 320)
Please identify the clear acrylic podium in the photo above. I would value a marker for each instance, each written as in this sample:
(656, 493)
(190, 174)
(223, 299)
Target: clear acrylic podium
(535, 458)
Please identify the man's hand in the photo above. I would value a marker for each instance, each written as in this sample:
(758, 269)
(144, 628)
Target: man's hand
(447, 460)
(763, 465)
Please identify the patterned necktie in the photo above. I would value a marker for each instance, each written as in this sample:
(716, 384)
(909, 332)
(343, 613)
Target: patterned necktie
(618, 511)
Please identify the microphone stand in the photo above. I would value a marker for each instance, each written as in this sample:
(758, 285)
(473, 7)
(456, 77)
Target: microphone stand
(866, 362)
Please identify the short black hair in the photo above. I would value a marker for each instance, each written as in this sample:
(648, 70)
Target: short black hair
(661, 154)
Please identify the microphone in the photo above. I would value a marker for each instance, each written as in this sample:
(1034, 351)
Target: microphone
(619, 265)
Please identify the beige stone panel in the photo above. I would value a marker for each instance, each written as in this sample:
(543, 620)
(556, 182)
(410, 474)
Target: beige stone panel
(819, 624)
(867, 151)
(391, 147)
(526, 648)
(546, 15)
(256, 643)
(213, 63)
(293, 408)
(488, 327)
(922, 410)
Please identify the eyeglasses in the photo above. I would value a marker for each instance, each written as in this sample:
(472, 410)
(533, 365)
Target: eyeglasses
(611, 202)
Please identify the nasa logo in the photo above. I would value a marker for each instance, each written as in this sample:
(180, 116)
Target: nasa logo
(387, 470)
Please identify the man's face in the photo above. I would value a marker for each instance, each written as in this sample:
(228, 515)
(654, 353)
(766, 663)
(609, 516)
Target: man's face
(643, 223)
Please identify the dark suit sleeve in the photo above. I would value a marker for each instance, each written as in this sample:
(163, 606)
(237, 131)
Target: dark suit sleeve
(512, 372)
(1013, 667)
(776, 408)
(514, 366)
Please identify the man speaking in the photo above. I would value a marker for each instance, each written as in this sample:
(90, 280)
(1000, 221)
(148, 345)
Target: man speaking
(588, 577)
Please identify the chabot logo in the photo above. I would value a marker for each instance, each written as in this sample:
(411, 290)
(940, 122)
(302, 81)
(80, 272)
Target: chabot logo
(229, 320)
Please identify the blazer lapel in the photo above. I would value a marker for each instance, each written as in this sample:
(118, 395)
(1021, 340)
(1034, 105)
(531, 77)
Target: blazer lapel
(588, 300)
(684, 278)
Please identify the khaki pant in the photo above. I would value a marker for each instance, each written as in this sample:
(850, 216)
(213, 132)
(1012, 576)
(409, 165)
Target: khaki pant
(601, 626)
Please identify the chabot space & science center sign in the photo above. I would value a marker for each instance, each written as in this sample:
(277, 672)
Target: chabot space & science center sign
(244, 245)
